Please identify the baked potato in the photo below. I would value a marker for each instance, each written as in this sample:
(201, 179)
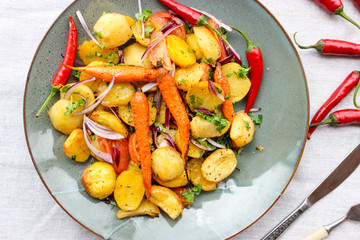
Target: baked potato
(145, 208)
(167, 200)
(75, 146)
(242, 130)
(166, 163)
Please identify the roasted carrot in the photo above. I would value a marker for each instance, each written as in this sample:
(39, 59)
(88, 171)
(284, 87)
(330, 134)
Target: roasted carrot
(171, 95)
(227, 106)
(140, 110)
(127, 73)
(206, 69)
(133, 149)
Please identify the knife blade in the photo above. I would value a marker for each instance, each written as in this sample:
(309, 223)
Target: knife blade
(336, 177)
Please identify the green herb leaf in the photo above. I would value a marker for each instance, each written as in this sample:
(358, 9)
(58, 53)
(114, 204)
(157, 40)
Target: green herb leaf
(227, 96)
(89, 56)
(259, 120)
(182, 81)
(242, 73)
(148, 30)
(211, 74)
(207, 61)
(73, 157)
(239, 151)
(195, 101)
(74, 105)
(247, 125)
(144, 16)
(98, 35)
(102, 46)
(215, 119)
(225, 140)
(196, 189)
(97, 54)
(111, 63)
(223, 32)
(159, 125)
(189, 197)
(77, 74)
(65, 88)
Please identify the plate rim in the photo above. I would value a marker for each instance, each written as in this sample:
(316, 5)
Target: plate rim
(274, 202)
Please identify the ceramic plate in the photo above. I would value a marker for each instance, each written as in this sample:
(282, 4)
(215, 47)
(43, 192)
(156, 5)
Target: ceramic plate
(237, 202)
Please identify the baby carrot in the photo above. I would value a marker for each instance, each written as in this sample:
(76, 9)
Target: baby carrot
(140, 110)
(171, 95)
(227, 106)
(128, 73)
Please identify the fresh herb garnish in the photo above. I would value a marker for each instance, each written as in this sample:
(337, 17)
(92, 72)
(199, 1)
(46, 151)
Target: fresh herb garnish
(239, 151)
(211, 74)
(247, 125)
(131, 129)
(196, 189)
(195, 101)
(74, 105)
(227, 96)
(97, 54)
(148, 30)
(111, 63)
(190, 194)
(77, 74)
(189, 197)
(182, 81)
(144, 16)
(65, 88)
(241, 73)
(207, 61)
(98, 35)
(225, 140)
(259, 120)
(215, 119)
(73, 157)
(159, 125)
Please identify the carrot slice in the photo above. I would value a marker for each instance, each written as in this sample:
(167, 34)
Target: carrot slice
(140, 110)
(227, 106)
(124, 73)
(133, 149)
(171, 95)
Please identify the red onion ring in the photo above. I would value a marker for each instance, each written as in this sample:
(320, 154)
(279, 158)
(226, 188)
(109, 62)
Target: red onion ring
(197, 144)
(73, 87)
(85, 27)
(167, 118)
(215, 144)
(157, 100)
(215, 91)
(148, 86)
(216, 20)
(113, 110)
(101, 130)
(226, 60)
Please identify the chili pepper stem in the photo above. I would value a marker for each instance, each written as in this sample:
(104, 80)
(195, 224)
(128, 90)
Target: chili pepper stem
(54, 91)
(355, 94)
(328, 121)
(250, 45)
(342, 14)
(318, 46)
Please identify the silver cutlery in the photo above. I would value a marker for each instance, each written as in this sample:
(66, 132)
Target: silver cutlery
(336, 177)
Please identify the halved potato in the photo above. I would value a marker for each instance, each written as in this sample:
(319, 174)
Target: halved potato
(207, 43)
(201, 128)
(177, 182)
(137, 31)
(200, 96)
(89, 52)
(193, 44)
(179, 51)
(109, 120)
(75, 146)
(187, 77)
(196, 177)
(166, 163)
(239, 87)
(119, 95)
(242, 130)
(133, 54)
(129, 190)
(84, 91)
(167, 200)
(146, 208)
(219, 165)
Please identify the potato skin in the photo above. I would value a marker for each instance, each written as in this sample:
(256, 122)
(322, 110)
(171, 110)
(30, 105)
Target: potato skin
(207, 43)
(179, 51)
(75, 146)
(145, 208)
(167, 200)
(109, 120)
(196, 177)
(133, 55)
(129, 190)
(99, 180)
(193, 44)
(201, 128)
(119, 95)
(177, 182)
(62, 123)
(167, 163)
(187, 77)
(114, 30)
(84, 91)
(219, 165)
(87, 53)
(241, 134)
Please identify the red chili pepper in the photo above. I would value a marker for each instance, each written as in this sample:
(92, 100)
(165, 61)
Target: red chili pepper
(341, 117)
(357, 3)
(333, 47)
(335, 7)
(345, 87)
(62, 75)
(256, 65)
(190, 15)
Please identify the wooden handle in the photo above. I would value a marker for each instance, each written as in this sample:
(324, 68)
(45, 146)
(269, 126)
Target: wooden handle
(318, 234)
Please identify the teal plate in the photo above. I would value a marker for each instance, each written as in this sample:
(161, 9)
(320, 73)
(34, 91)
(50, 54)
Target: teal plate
(242, 198)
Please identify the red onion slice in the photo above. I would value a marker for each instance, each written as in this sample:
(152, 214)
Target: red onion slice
(101, 130)
(213, 89)
(157, 100)
(216, 20)
(215, 144)
(148, 86)
(226, 60)
(84, 25)
(203, 110)
(171, 141)
(104, 156)
(121, 56)
(116, 155)
(167, 118)
(197, 144)
(113, 110)
(73, 87)
(173, 27)
(167, 26)
(236, 55)
(99, 99)
(154, 135)
(172, 73)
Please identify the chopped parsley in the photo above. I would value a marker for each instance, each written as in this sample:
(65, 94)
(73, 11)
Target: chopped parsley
(196, 189)
(159, 125)
(223, 32)
(102, 46)
(227, 96)
(207, 61)
(215, 119)
(74, 105)
(73, 157)
(211, 74)
(65, 88)
(111, 63)
(148, 30)
(259, 120)
(77, 74)
(241, 73)
(97, 54)
(239, 151)
(225, 140)
(182, 81)
(195, 101)
(247, 125)
(182, 51)
(144, 16)
(131, 129)
(98, 35)
(190, 194)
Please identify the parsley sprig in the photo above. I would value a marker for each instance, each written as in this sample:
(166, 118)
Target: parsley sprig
(190, 194)
(215, 119)
(74, 105)
(144, 16)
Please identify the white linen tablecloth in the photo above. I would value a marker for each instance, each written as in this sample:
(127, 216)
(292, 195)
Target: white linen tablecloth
(27, 211)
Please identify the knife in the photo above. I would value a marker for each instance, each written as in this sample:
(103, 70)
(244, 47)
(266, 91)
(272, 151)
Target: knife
(336, 177)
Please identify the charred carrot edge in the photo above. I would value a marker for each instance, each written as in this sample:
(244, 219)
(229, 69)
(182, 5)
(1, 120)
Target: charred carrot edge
(171, 95)
(127, 73)
(133, 149)
(140, 110)
(227, 106)
(222, 50)
(206, 69)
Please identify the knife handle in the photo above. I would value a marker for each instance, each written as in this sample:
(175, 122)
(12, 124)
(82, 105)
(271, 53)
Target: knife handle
(318, 234)
(281, 227)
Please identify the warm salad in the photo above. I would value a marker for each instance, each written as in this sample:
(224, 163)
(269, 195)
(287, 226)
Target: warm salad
(154, 105)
